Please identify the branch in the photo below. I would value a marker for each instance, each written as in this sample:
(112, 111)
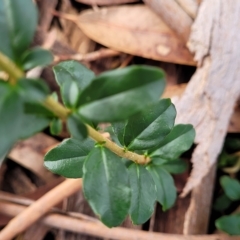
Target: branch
(63, 113)
(39, 208)
(7, 65)
(10, 68)
(99, 230)
(92, 56)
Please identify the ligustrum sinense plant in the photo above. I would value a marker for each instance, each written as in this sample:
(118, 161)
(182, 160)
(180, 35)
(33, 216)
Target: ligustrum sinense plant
(123, 176)
(227, 203)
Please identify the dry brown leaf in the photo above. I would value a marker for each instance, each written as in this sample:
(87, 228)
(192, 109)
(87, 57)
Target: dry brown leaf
(70, 33)
(29, 154)
(105, 2)
(135, 30)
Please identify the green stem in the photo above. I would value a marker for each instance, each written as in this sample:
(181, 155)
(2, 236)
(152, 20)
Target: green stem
(59, 110)
(140, 159)
(63, 113)
(10, 68)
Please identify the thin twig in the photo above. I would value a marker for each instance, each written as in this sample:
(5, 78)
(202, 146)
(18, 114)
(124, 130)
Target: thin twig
(16, 199)
(92, 56)
(39, 208)
(126, 61)
(99, 230)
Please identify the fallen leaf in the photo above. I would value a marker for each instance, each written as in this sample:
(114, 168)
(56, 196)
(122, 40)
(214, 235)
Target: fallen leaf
(105, 2)
(135, 30)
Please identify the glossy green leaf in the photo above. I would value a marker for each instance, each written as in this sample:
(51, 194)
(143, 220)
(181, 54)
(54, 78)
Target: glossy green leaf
(179, 140)
(5, 43)
(11, 110)
(231, 187)
(70, 94)
(119, 131)
(229, 224)
(76, 127)
(21, 24)
(35, 117)
(37, 109)
(166, 190)
(32, 124)
(68, 157)
(222, 203)
(34, 90)
(72, 77)
(147, 129)
(175, 166)
(73, 71)
(36, 57)
(118, 94)
(106, 186)
(56, 126)
(143, 194)
(5, 88)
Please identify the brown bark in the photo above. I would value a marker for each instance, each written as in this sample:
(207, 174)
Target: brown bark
(210, 97)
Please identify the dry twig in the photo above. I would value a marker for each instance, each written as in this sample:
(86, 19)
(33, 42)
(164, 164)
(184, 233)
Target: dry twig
(93, 56)
(99, 230)
(34, 212)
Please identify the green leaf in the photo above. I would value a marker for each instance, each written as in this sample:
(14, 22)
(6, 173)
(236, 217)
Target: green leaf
(36, 57)
(21, 18)
(176, 166)
(5, 88)
(5, 43)
(11, 109)
(32, 124)
(38, 109)
(143, 194)
(166, 190)
(33, 89)
(15, 123)
(76, 127)
(119, 130)
(147, 129)
(73, 71)
(106, 186)
(72, 77)
(231, 187)
(179, 140)
(222, 203)
(116, 95)
(68, 157)
(229, 224)
(70, 94)
(226, 160)
(56, 126)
